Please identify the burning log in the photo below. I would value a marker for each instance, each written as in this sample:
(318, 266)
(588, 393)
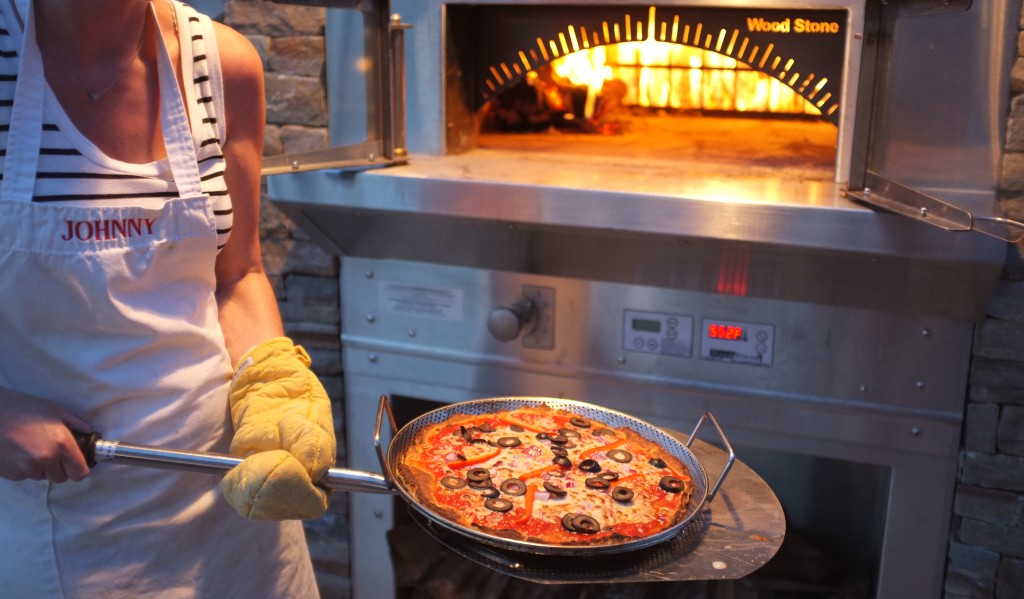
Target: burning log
(544, 101)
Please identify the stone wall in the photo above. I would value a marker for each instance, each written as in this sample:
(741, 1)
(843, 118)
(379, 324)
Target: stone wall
(986, 554)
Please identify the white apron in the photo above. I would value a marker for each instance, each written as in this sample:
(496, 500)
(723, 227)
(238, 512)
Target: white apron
(110, 311)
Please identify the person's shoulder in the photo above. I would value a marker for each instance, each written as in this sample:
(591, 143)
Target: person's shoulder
(240, 61)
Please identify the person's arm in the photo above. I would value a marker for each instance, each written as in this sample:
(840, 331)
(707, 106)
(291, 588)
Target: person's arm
(248, 310)
(280, 411)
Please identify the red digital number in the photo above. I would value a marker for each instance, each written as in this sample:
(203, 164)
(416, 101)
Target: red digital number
(725, 331)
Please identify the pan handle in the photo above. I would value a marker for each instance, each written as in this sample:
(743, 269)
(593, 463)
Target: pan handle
(95, 449)
(384, 407)
(732, 454)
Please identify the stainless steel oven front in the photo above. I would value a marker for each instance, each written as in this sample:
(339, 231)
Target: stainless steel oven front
(690, 233)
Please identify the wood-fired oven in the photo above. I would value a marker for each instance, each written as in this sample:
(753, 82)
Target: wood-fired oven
(669, 208)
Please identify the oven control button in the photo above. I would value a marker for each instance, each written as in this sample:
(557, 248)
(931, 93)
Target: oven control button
(508, 322)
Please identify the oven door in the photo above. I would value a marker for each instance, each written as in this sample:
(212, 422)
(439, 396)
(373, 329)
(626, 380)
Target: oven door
(366, 114)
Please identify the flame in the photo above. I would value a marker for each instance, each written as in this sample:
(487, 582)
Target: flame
(586, 68)
(662, 74)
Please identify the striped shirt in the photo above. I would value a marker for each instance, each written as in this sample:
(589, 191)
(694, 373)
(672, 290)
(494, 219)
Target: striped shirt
(73, 169)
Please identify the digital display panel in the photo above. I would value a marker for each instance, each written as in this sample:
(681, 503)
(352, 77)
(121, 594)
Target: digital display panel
(647, 326)
(726, 332)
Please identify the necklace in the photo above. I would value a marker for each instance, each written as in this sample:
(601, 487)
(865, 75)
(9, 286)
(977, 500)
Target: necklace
(95, 95)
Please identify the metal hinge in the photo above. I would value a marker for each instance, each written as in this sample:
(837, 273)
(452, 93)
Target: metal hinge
(889, 195)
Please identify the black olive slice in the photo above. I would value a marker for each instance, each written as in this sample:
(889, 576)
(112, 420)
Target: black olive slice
(596, 482)
(622, 494)
(567, 521)
(554, 489)
(585, 524)
(479, 440)
(465, 434)
(620, 455)
(452, 482)
(480, 484)
(516, 428)
(604, 431)
(543, 437)
(513, 487)
(558, 438)
(478, 474)
(498, 504)
(671, 484)
(568, 432)
(489, 492)
(509, 442)
(590, 465)
(657, 462)
(486, 427)
(580, 422)
(562, 461)
(559, 450)
(609, 476)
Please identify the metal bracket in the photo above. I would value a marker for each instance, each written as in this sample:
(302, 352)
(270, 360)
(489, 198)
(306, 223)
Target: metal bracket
(889, 195)
(361, 157)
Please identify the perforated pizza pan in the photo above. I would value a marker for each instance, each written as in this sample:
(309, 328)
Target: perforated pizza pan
(402, 440)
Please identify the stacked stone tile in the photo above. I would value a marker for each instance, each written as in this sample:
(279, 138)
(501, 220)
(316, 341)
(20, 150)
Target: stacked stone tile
(986, 554)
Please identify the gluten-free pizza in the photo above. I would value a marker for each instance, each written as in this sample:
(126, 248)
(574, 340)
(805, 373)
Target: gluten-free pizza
(546, 475)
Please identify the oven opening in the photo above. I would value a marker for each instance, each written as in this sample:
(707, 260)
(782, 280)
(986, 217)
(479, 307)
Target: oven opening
(695, 87)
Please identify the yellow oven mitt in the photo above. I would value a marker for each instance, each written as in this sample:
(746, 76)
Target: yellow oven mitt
(285, 431)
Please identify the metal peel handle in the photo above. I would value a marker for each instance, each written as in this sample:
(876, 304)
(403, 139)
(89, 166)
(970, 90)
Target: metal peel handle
(95, 449)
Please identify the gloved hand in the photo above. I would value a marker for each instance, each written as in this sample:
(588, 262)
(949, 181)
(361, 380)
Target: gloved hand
(284, 428)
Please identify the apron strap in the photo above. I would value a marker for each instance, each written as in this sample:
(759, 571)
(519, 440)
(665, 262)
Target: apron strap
(26, 131)
(181, 149)
(25, 135)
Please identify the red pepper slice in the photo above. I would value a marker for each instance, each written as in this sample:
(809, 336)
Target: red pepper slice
(619, 481)
(528, 513)
(593, 450)
(477, 460)
(538, 471)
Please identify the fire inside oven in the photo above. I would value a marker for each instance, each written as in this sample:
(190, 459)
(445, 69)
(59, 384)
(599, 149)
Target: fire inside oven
(714, 86)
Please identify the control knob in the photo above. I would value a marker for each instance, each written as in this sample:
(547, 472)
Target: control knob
(508, 322)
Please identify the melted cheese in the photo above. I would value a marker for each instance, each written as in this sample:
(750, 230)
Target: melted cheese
(443, 450)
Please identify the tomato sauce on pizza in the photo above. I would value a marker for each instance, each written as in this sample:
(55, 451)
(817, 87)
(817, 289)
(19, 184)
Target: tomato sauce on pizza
(546, 475)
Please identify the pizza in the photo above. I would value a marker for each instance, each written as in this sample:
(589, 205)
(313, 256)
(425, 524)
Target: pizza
(542, 474)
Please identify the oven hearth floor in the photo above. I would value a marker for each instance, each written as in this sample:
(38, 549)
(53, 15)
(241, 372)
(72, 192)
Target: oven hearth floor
(805, 148)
